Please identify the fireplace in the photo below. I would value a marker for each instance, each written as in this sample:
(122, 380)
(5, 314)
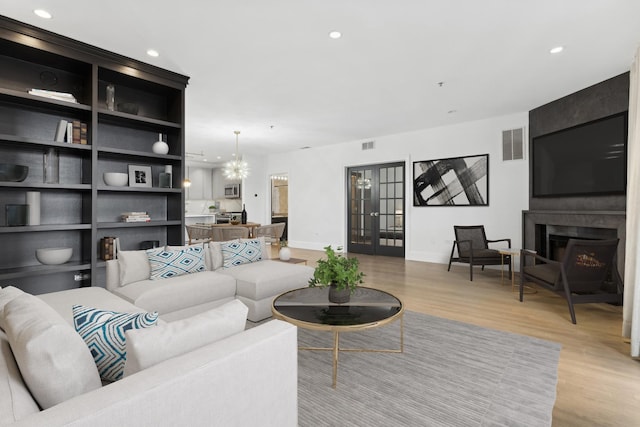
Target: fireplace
(557, 237)
(548, 231)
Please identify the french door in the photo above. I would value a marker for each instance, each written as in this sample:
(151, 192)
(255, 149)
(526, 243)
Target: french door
(376, 209)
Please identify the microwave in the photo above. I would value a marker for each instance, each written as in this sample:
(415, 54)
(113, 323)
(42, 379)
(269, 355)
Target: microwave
(232, 191)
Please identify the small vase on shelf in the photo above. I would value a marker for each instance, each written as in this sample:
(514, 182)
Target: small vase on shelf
(160, 147)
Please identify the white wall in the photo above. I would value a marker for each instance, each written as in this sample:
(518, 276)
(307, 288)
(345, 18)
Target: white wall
(317, 176)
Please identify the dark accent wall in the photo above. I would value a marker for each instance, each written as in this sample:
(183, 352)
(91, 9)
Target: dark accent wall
(600, 100)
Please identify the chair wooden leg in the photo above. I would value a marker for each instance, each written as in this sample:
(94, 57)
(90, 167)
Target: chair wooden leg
(453, 248)
(567, 294)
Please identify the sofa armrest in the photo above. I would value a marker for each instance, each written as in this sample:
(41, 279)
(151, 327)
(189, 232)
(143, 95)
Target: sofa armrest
(247, 377)
(113, 275)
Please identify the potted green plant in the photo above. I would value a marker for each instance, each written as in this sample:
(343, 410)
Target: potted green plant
(341, 274)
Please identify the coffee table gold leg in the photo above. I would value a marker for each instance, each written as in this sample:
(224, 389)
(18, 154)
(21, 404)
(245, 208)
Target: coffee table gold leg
(336, 344)
(402, 333)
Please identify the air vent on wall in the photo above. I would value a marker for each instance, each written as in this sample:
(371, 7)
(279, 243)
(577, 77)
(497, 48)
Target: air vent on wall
(513, 144)
(367, 145)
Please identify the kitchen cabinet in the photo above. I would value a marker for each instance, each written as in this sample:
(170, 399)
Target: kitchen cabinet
(78, 208)
(201, 184)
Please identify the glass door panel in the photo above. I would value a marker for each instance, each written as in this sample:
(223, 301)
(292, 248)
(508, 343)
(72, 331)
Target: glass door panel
(376, 209)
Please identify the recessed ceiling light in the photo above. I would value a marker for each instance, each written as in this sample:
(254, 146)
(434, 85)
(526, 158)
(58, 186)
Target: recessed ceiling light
(153, 53)
(556, 49)
(335, 34)
(42, 13)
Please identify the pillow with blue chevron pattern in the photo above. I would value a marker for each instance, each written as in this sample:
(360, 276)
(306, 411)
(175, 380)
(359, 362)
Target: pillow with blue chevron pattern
(240, 252)
(166, 263)
(104, 333)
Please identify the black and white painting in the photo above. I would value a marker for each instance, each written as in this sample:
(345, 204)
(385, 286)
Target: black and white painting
(457, 181)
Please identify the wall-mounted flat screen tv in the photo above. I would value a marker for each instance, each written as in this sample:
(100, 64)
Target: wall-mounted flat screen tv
(588, 159)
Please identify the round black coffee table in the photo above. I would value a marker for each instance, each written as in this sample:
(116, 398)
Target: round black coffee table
(309, 308)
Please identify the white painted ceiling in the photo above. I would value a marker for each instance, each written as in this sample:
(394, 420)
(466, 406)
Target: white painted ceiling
(269, 69)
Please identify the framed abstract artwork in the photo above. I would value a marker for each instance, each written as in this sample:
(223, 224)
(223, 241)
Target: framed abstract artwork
(456, 181)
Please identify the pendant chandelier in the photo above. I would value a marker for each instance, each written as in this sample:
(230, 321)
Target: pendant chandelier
(236, 168)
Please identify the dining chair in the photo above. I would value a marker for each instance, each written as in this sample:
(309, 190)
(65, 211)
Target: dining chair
(198, 233)
(272, 233)
(231, 232)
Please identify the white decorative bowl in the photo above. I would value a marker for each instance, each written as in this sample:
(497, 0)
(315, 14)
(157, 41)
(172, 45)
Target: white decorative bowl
(115, 179)
(54, 256)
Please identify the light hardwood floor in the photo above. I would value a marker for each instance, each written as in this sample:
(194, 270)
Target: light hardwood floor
(598, 382)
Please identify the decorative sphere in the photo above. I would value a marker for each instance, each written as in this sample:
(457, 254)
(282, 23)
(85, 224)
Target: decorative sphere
(160, 147)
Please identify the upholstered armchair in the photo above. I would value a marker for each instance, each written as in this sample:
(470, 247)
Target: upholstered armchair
(586, 274)
(473, 248)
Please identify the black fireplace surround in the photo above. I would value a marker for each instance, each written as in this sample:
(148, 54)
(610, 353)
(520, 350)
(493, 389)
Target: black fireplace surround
(590, 217)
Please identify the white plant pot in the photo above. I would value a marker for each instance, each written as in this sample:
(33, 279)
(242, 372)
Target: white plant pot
(285, 254)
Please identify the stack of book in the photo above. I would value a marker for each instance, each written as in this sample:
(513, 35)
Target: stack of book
(108, 248)
(60, 96)
(136, 217)
(73, 132)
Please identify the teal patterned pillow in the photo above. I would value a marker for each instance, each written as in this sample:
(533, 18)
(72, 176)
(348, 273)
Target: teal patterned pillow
(103, 332)
(237, 253)
(170, 263)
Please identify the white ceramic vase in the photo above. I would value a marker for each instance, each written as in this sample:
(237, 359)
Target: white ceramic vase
(160, 147)
(285, 254)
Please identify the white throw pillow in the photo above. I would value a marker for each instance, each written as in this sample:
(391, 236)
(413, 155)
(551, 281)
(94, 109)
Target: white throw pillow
(241, 252)
(103, 332)
(7, 294)
(54, 361)
(167, 263)
(148, 347)
(134, 266)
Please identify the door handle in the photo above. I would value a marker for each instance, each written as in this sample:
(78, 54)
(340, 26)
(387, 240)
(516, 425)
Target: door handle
(373, 214)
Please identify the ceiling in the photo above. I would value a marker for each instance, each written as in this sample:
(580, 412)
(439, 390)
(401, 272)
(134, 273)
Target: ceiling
(270, 70)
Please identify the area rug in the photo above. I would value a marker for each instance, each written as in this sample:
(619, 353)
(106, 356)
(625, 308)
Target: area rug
(450, 374)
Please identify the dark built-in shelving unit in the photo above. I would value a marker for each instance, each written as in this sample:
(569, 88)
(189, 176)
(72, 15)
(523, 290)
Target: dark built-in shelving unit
(81, 209)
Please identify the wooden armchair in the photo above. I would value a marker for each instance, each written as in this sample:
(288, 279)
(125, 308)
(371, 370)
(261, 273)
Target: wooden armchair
(473, 248)
(587, 273)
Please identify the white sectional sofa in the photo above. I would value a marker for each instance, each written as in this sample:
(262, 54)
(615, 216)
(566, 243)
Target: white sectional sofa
(222, 383)
(255, 283)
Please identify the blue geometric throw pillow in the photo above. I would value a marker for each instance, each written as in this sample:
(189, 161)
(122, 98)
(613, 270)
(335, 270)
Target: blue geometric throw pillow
(237, 253)
(172, 263)
(103, 332)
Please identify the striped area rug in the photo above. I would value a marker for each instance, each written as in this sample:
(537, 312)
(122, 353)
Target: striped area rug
(450, 374)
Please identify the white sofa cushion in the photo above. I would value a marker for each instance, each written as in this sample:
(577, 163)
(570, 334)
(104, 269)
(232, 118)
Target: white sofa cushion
(268, 278)
(133, 266)
(93, 296)
(104, 333)
(15, 400)
(166, 296)
(54, 361)
(238, 253)
(148, 347)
